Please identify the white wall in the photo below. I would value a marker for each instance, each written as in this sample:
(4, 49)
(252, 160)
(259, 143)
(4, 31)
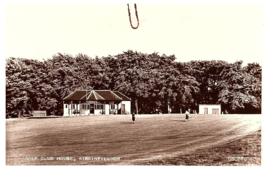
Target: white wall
(209, 107)
(65, 110)
(106, 109)
(85, 112)
(98, 111)
(68, 111)
(127, 106)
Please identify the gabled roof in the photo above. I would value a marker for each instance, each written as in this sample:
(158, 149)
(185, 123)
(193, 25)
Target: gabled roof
(96, 95)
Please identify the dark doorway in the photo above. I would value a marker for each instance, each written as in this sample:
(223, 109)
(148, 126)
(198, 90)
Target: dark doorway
(205, 110)
(92, 109)
(123, 109)
(215, 111)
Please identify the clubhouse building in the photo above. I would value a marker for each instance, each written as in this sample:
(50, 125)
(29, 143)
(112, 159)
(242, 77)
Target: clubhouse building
(96, 102)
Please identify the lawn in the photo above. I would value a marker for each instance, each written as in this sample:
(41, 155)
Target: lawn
(151, 140)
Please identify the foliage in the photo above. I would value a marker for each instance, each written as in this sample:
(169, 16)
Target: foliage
(150, 80)
(239, 88)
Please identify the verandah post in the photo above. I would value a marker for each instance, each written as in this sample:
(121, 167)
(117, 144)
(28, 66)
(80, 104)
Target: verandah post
(79, 107)
(70, 108)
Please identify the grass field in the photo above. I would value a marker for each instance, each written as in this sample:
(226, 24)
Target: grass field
(151, 140)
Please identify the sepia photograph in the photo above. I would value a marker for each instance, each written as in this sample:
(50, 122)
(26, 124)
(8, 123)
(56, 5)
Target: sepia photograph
(167, 83)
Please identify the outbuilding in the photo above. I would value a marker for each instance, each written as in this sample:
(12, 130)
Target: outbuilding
(96, 102)
(39, 113)
(209, 108)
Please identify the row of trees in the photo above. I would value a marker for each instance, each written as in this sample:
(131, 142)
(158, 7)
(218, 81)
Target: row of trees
(150, 80)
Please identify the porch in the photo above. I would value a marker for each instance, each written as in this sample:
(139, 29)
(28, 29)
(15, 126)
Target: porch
(94, 108)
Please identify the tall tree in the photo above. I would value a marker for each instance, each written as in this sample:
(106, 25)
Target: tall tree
(238, 89)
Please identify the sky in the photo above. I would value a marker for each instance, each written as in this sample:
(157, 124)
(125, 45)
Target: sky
(229, 32)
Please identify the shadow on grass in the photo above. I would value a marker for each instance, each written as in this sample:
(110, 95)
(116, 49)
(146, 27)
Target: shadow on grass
(126, 123)
(45, 117)
(180, 120)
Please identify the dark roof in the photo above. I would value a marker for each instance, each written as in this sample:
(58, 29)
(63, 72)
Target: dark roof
(108, 95)
(76, 95)
(125, 98)
(209, 104)
(96, 95)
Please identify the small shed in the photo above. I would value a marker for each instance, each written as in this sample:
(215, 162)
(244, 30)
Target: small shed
(39, 113)
(209, 108)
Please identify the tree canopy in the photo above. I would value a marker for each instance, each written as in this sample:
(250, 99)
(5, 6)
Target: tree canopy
(150, 80)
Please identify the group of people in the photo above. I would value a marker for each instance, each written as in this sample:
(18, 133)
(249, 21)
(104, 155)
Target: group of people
(187, 116)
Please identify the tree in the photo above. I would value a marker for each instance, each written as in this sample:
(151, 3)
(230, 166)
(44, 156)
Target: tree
(238, 89)
(148, 79)
(153, 77)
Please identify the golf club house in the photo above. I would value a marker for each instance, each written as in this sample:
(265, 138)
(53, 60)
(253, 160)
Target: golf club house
(96, 102)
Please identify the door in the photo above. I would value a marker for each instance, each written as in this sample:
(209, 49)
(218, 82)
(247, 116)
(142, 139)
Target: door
(112, 109)
(205, 110)
(215, 111)
(123, 109)
(92, 109)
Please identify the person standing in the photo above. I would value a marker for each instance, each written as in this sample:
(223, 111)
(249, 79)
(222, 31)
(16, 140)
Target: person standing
(133, 117)
(187, 115)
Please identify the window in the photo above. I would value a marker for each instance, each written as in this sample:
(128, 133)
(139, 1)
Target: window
(99, 105)
(112, 106)
(66, 106)
(84, 106)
